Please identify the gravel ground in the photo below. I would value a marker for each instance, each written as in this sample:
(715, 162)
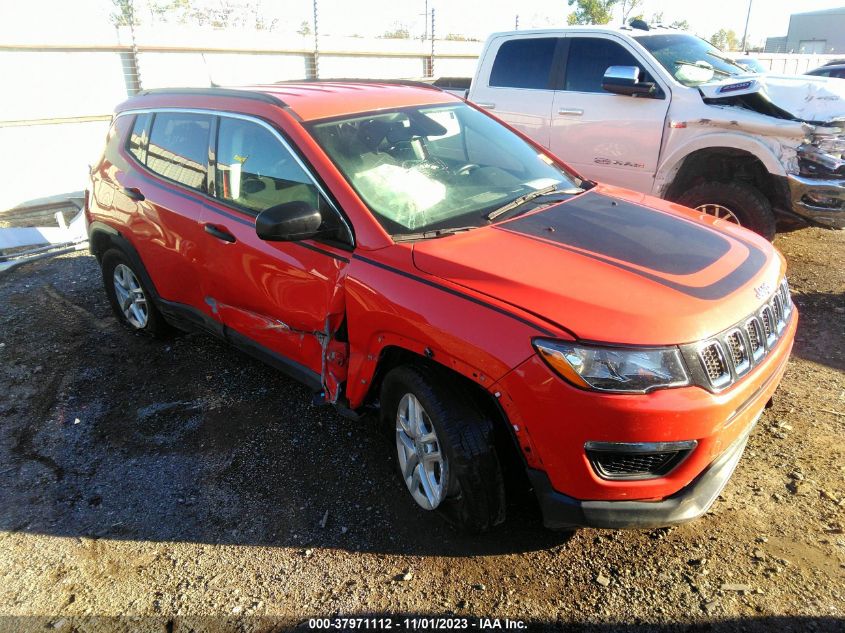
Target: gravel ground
(179, 485)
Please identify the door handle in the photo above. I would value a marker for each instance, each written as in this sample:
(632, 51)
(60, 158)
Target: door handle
(486, 106)
(571, 111)
(220, 234)
(133, 193)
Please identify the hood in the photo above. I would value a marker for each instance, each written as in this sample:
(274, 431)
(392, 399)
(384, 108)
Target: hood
(801, 97)
(608, 268)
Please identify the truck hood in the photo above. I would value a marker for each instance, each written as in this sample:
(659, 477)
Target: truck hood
(615, 266)
(801, 97)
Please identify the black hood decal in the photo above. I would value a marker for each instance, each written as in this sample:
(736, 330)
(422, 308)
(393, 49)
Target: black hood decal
(615, 231)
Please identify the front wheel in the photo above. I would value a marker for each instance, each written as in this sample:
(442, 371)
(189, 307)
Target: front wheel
(445, 449)
(735, 202)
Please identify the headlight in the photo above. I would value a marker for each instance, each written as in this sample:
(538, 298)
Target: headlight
(613, 368)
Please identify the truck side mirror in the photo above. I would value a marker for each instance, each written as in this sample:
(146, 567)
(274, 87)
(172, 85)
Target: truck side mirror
(625, 80)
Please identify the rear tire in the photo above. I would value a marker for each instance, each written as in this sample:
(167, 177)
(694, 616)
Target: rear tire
(130, 300)
(468, 484)
(750, 208)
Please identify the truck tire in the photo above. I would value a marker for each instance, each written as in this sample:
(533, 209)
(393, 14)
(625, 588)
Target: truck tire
(735, 201)
(130, 301)
(432, 417)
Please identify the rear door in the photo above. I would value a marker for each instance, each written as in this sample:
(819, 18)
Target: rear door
(607, 137)
(517, 86)
(159, 200)
(284, 299)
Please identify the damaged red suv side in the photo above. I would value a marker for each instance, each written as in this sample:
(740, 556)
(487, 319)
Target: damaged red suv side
(400, 250)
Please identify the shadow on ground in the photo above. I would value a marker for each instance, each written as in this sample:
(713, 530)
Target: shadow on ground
(109, 434)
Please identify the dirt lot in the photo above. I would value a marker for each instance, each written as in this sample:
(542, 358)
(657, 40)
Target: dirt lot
(184, 485)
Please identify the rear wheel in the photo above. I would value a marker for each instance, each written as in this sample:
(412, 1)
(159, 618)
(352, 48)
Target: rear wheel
(130, 300)
(445, 449)
(735, 202)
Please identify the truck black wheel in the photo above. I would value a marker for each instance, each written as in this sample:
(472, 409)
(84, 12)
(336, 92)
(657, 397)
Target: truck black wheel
(444, 448)
(736, 202)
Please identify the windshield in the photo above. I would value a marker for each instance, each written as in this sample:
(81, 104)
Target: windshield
(690, 59)
(428, 168)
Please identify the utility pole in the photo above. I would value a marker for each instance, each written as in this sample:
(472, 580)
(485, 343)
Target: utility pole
(431, 64)
(745, 33)
(316, 45)
(516, 23)
(425, 21)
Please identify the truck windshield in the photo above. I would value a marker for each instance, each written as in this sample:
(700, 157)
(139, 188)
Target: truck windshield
(690, 59)
(431, 168)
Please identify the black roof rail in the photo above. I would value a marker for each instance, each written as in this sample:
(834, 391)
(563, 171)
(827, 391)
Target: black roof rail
(216, 92)
(411, 83)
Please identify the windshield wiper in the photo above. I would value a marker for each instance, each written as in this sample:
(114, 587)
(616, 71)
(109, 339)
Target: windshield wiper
(425, 235)
(518, 202)
(683, 62)
(727, 60)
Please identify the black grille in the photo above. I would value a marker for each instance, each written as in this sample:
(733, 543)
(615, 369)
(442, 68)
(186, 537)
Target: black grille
(634, 465)
(736, 348)
(768, 323)
(752, 328)
(714, 362)
(777, 305)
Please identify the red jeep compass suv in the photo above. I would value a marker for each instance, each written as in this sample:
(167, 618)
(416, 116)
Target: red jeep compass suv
(400, 250)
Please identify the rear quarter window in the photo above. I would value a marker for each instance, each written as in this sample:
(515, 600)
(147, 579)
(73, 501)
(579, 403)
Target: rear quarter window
(524, 63)
(178, 148)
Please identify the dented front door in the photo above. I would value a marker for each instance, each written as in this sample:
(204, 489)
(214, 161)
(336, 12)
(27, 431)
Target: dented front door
(285, 297)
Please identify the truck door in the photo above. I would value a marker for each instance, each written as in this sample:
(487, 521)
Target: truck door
(514, 81)
(607, 137)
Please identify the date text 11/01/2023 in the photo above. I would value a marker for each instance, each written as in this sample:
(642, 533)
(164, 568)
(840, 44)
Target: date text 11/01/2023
(430, 623)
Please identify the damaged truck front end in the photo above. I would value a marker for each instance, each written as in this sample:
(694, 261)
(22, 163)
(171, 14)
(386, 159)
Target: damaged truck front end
(817, 192)
(815, 165)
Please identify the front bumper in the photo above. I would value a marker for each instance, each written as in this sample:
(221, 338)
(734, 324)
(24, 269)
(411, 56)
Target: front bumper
(820, 201)
(561, 511)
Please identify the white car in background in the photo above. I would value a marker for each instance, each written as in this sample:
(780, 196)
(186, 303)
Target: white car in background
(665, 113)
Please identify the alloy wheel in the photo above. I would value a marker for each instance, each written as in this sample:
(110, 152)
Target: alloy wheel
(421, 460)
(130, 297)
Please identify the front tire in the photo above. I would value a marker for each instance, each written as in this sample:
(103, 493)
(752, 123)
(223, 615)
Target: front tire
(736, 202)
(444, 447)
(130, 300)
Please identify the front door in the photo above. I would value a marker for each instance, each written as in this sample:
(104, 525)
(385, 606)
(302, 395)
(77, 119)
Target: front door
(280, 298)
(607, 137)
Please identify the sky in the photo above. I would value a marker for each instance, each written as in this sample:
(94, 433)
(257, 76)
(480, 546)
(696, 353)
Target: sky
(475, 18)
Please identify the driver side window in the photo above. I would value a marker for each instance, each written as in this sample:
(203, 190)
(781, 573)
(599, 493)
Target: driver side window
(588, 60)
(254, 172)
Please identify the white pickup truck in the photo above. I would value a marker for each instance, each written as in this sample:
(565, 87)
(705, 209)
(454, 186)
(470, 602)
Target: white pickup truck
(665, 113)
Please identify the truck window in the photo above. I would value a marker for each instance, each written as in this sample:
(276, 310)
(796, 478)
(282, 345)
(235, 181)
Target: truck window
(524, 63)
(588, 60)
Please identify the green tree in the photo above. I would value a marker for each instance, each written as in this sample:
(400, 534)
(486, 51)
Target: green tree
(123, 13)
(591, 11)
(628, 8)
(725, 40)
(398, 32)
(304, 28)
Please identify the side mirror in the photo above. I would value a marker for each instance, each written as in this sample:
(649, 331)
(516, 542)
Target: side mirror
(625, 80)
(288, 222)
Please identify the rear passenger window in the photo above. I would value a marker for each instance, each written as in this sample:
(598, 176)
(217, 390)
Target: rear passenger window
(178, 148)
(588, 60)
(255, 171)
(138, 137)
(524, 63)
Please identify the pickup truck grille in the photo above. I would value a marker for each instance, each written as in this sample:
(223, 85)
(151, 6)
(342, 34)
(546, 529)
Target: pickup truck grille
(728, 356)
